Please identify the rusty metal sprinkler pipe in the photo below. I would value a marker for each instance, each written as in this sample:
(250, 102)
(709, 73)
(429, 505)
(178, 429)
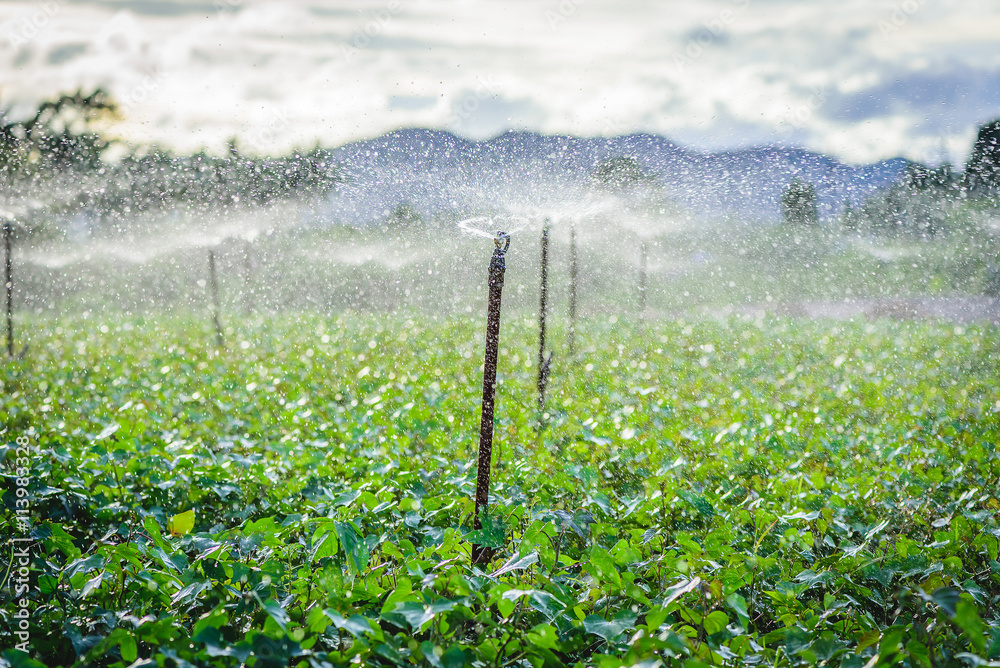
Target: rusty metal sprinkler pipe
(213, 282)
(482, 555)
(8, 243)
(643, 280)
(248, 267)
(572, 291)
(543, 363)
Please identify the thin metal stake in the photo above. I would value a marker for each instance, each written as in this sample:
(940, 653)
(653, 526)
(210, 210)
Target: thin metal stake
(481, 555)
(248, 266)
(643, 281)
(216, 308)
(8, 242)
(572, 291)
(543, 363)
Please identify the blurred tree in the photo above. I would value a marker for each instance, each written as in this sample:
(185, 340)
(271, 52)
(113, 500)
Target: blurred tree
(58, 136)
(983, 171)
(850, 218)
(61, 137)
(798, 204)
(917, 204)
(620, 173)
(403, 216)
(991, 286)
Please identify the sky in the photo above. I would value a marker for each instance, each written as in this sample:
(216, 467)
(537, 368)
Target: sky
(862, 80)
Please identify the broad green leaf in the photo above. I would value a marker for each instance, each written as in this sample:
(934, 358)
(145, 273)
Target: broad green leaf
(432, 654)
(356, 625)
(354, 546)
(875, 530)
(128, 648)
(454, 657)
(610, 630)
(544, 635)
(277, 613)
(215, 618)
(967, 617)
(189, 594)
(325, 545)
(545, 603)
(416, 614)
(92, 585)
(699, 503)
(738, 605)
(347, 498)
(542, 601)
(47, 584)
(107, 432)
(947, 598)
(602, 566)
(715, 622)
(516, 563)
(84, 565)
(492, 534)
(679, 589)
(181, 524)
(994, 650)
(153, 529)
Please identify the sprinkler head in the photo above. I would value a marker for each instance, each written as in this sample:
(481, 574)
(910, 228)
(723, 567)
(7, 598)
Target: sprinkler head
(502, 241)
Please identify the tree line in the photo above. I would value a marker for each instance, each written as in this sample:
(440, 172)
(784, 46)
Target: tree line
(63, 143)
(918, 204)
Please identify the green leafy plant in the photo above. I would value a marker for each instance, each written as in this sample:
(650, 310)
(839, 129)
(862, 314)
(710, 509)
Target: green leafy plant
(715, 493)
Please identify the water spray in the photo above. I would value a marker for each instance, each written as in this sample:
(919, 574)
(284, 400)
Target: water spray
(543, 294)
(213, 284)
(8, 243)
(482, 555)
(572, 291)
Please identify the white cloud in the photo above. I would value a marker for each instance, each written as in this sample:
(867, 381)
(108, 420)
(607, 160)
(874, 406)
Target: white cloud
(714, 74)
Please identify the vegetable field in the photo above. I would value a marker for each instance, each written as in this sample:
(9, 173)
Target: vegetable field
(732, 492)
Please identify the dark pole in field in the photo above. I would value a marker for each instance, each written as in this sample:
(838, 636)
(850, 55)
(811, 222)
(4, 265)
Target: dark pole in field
(214, 287)
(248, 263)
(572, 291)
(8, 242)
(482, 555)
(643, 281)
(543, 363)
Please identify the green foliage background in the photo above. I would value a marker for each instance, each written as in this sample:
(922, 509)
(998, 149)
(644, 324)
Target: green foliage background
(703, 493)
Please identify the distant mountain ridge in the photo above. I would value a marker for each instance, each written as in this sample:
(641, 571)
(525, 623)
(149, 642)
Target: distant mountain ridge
(437, 172)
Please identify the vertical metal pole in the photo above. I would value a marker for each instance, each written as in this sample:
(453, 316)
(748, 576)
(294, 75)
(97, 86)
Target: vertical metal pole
(8, 242)
(248, 265)
(572, 291)
(543, 364)
(482, 555)
(643, 281)
(214, 287)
